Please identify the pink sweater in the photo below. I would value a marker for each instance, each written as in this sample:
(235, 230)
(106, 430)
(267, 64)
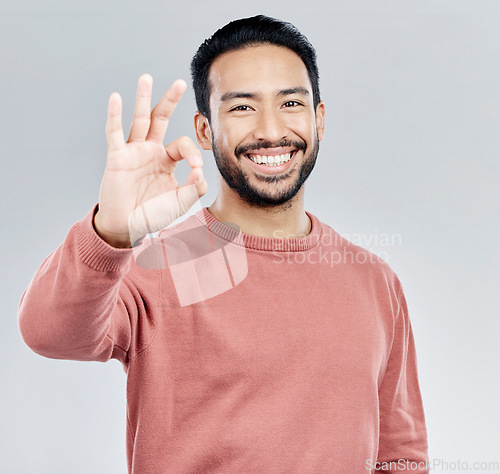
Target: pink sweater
(243, 353)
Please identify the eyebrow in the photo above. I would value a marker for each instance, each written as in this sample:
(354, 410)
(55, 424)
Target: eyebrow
(293, 90)
(251, 95)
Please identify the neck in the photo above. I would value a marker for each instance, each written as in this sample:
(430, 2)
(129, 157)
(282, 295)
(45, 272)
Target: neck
(285, 221)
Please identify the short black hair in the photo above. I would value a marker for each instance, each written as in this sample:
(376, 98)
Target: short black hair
(251, 31)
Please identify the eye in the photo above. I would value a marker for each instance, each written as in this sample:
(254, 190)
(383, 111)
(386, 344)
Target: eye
(242, 108)
(291, 103)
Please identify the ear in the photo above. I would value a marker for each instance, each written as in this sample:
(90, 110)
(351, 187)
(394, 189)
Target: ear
(320, 120)
(203, 132)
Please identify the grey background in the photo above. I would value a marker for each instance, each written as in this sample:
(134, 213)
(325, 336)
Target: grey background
(412, 90)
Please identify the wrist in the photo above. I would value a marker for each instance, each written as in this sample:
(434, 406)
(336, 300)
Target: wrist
(111, 239)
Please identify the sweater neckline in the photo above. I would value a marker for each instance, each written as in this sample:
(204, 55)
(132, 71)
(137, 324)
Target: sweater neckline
(255, 242)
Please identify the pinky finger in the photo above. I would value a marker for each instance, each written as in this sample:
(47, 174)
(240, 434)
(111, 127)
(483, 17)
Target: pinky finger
(114, 130)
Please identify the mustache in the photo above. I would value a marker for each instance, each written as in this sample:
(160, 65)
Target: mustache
(242, 149)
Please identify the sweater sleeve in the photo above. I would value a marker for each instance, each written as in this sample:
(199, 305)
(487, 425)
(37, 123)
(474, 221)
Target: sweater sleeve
(403, 435)
(79, 304)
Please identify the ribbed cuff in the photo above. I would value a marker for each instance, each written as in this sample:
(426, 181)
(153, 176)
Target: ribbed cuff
(97, 253)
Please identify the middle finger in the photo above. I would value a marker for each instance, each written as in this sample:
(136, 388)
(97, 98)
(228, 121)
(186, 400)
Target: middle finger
(163, 111)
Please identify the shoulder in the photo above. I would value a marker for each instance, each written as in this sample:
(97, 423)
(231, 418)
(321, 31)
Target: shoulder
(154, 251)
(355, 262)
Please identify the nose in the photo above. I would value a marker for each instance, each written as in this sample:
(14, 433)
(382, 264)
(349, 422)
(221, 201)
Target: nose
(270, 126)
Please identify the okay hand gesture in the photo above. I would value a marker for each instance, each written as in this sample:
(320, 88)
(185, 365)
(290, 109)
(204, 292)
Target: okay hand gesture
(139, 193)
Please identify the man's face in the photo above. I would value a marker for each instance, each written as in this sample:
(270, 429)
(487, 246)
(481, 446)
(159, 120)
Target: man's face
(262, 111)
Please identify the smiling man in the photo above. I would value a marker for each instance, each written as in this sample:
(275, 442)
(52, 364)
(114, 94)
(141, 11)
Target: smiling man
(264, 127)
(254, 337)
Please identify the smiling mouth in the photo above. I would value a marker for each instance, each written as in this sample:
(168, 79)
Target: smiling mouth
(271, 160)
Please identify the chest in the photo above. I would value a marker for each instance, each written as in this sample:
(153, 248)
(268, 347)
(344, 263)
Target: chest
(276, 322)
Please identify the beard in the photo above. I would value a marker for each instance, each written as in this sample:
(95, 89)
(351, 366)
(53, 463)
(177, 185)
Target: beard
(279, 189)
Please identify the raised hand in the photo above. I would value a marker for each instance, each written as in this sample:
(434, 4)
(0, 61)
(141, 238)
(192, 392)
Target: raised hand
(139, 193)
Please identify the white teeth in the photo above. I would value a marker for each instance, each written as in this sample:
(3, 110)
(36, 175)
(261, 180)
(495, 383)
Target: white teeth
(273, 160)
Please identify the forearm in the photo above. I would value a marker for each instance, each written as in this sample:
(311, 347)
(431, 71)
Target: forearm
(419, 466)
(403, 435)
(70, 305)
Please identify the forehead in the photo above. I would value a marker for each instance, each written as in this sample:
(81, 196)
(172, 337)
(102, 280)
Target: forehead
(262, 68)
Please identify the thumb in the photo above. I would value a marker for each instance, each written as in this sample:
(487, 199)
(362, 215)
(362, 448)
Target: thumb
(196, 178)
(160, 211)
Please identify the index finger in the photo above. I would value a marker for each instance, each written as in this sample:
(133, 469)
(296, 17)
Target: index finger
(164, 110)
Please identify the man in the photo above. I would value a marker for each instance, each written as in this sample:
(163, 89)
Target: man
(254, 337)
